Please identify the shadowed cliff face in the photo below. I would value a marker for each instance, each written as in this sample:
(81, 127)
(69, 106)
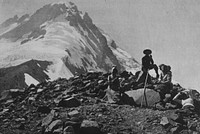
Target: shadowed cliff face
(14, 77)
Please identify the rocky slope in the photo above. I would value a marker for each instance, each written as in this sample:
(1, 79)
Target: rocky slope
(61, 35)
(60, 41)
(78, 106)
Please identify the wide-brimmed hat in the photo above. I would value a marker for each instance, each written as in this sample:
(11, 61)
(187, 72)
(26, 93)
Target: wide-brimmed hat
(162, 65)
(147, 51)
(168, 68)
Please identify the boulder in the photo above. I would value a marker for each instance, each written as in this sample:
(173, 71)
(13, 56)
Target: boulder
(174, 116)
(21, 126)
(152, 96)
(75, 116)
(165, 121)
(68, 130)
(170, 106)
(174, 130)
(31, 86)
(9, 101)
(57, 88)
(72, 123)
(58, 130)
(71, 90)
(89, 127)
(111, 96)
(5, 95)
(100, 81)
(48, 119)
(55, 124)
(4, 111)
(16, 92)
(40, 90)
(43, 109)
(160, 106)
(74, 113)
(31, 99)
(19, 119)
(192, 126)
(69, 102)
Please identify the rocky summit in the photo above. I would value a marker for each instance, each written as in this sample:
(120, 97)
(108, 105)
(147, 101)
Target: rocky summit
(81, 105)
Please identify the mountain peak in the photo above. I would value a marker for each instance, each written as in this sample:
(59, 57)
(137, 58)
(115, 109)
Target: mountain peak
(45, 14)
(9, 21)
(63, 6)
(60, 34)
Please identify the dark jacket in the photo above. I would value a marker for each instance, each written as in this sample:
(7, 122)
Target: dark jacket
(147, 61)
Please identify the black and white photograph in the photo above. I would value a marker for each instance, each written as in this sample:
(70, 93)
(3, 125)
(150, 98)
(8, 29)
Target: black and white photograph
(99, 67)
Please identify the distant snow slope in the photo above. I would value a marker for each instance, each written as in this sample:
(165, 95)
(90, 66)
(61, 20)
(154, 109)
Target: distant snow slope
(56, 41)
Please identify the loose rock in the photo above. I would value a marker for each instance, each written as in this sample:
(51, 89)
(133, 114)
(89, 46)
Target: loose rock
(69, 103)
(89, 127)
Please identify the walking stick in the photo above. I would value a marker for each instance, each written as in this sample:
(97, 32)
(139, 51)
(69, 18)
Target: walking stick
(144, 96)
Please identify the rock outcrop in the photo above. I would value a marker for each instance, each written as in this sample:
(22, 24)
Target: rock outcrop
(77, 106)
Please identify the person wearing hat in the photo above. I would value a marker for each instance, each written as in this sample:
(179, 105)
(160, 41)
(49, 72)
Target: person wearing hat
(164, 85)
(113, 80)
(113, 88)
(148, 63)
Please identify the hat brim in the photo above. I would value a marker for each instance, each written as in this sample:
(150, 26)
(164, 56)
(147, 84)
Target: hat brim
(147, 51)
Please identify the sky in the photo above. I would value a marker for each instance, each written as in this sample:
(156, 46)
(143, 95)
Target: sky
(170, 28)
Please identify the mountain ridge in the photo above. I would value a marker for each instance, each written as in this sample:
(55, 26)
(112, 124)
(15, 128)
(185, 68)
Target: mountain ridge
(64, 36)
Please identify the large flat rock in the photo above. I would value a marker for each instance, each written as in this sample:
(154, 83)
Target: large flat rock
(151, 95)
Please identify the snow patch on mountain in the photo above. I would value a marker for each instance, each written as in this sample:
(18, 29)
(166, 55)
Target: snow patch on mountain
(58, 69)
(38, 65)
(13, 54)
(125, 59)
(30, 80)
(5, 30)
(61, 40)
(67, 38)
(59, 2)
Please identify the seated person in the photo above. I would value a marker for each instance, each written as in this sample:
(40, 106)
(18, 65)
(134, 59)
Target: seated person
(113, 80)
(164, 84)
(184, 98)
(125, 84)
(112, 93)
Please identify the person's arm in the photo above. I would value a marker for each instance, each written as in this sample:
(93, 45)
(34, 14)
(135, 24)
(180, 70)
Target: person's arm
(109, 80)
(176, 98)
(122, 83)
(143, 60)
(152, 62)
(167, 79)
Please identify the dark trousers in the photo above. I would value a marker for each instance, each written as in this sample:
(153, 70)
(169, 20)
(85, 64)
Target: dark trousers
(163, 89)
(153, 66)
